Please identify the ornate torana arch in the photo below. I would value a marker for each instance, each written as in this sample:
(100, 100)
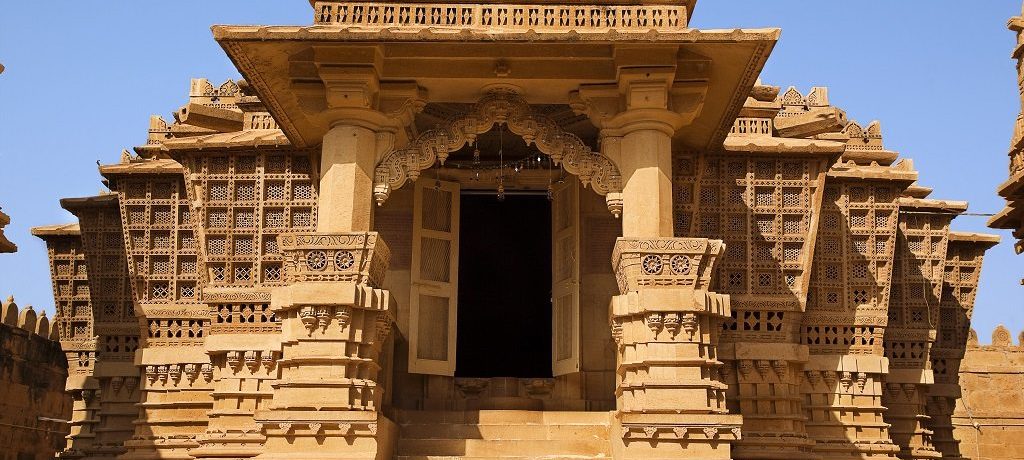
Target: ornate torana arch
(509, 108)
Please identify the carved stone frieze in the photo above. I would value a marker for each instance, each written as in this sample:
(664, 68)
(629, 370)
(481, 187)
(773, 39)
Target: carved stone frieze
(361, 258)
(664, 262)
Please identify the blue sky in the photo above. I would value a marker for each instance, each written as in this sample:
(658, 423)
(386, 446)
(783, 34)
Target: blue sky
(82, 79)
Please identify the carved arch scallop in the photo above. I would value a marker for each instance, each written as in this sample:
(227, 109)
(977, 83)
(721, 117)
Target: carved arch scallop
(509, 108)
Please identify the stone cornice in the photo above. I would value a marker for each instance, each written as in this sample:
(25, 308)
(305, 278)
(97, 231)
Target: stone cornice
(984, 239)
(780, 145)
(928, 205)
(228, 33)
(57, 230)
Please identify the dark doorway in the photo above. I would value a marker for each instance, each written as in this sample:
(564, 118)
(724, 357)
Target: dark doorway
(504, 319)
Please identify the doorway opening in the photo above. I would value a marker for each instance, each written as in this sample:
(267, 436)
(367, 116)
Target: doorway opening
(504, 314)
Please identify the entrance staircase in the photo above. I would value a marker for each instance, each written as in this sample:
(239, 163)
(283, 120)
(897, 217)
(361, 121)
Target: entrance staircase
(502, 434)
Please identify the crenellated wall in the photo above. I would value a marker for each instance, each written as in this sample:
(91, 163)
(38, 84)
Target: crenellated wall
(989, 417)
(33, 406)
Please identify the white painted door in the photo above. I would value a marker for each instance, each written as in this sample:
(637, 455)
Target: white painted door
(565, 279)
(434, 293)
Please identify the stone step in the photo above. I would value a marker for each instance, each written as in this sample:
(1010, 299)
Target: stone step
(503, 417)
(486, 448)
(456, 457)
(503, 431)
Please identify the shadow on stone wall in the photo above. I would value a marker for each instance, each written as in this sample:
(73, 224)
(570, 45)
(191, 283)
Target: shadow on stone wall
(33, 406)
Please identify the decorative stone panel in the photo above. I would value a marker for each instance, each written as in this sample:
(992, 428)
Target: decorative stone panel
(360, 258)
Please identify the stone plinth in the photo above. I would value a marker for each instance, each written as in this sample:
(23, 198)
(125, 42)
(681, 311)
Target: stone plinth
(666, 325)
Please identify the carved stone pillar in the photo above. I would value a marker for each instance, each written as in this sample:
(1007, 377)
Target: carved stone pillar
(665, 321)
(334, 325)
(174, 392)
(348, 157)
(368, 121)
(638, 118)
(666, 325)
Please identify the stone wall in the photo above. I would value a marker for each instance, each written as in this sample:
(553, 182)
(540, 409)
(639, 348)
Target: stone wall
(33, 405)
(989, 416)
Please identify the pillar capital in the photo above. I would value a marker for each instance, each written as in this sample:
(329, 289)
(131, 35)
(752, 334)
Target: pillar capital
(354, 95)
(641, 99)
(367, 118)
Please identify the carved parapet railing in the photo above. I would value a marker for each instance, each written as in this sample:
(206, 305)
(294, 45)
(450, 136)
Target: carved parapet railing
(334, 324)
(666, 325)
(501, 18)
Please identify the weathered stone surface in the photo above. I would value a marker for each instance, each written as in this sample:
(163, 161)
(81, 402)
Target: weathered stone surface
(988, 421)
(737, 272)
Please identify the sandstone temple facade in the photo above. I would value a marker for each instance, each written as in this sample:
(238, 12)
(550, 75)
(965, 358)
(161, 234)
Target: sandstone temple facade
(1012, 216)
(419, 230)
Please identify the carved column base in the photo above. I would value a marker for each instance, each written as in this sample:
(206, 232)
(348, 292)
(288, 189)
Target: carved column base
(329, 435)
(666, 325)
(334, 325)
(173, 411)
(844, 406)
(906, 397)
(906, 414)
(243, 383)
(659, 436)
(941, 404)
(765, 383)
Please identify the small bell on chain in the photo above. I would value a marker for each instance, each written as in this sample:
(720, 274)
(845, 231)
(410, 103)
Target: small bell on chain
(551, 192)
(501, 192)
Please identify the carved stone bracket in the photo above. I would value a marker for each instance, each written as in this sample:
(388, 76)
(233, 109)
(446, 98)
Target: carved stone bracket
(320, 428)
(176, 374)
(500, 107)
(679, 432)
